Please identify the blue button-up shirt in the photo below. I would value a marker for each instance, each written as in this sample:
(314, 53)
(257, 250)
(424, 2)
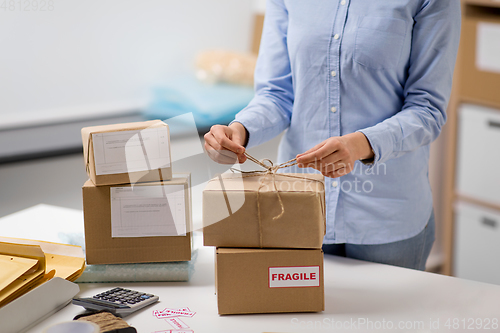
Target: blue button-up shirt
(382, 67)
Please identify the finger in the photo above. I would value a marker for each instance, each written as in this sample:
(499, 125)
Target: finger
(342, 171)
(335, 174)
(334, 166)
(242, 159)
(212, 144)
(221, 134)
(339, 173)
(328, 149)
(331, 159)
(313, 149)
(217, 153)
(220, 158)
(238, 139)
(310, 165)
(329, 167)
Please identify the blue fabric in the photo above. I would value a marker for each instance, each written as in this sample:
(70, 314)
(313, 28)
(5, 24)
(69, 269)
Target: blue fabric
(409, 253)
(387, 67)
(210, 103)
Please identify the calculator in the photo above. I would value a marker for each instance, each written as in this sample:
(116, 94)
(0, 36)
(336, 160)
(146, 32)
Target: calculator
(119, 301)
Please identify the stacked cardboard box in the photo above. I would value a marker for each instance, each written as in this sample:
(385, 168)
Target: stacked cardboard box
(268, 232)
(480, 54)
(135, 209)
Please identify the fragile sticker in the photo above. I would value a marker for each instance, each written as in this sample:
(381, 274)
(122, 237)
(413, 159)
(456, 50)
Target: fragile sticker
(294, 277)
(169, 313)
(176, 323)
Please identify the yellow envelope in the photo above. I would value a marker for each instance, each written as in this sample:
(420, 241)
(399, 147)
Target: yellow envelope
(14, 267)
(46, 259)
(68, 261)
(22, 282)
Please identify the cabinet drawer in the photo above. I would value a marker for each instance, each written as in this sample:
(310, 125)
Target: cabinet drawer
(478, 165)
(477, 243)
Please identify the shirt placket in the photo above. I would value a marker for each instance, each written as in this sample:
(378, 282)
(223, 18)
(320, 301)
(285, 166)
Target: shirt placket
(334, 185)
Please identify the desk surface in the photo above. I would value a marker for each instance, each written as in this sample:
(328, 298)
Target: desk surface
(356, 292)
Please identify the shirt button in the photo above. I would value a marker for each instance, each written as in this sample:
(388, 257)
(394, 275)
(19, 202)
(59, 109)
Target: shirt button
(334, 73)
(335, 183)
(342, 2)
(333, 109)
(336, 36)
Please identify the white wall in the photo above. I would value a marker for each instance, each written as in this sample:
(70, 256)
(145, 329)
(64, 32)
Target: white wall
(91, 55)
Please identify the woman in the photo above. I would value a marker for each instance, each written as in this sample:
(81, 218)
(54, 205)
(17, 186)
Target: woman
(361, 87)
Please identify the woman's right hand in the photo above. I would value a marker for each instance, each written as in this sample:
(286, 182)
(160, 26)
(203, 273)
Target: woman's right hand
(225, 144)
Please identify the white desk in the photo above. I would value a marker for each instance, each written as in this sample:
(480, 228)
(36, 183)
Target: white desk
(354, 290)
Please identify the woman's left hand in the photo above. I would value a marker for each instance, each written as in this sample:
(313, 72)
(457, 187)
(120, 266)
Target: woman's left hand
(336, 156)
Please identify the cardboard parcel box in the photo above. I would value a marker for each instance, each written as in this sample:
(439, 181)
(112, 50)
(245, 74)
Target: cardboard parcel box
(269, 280)
(480, 51)
(149, 222)
(233, 205)
(127, 153)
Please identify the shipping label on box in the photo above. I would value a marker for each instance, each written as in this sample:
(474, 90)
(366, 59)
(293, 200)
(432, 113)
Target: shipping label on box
(488, 47)
(269, 280)
(149, 222)
(148, 211)
(127, 153)
(249, 211)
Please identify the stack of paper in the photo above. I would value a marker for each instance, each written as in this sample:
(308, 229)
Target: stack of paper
(26, 264)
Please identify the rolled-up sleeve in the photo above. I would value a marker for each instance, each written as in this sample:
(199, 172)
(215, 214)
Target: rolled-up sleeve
(435, 39)
(269, 112)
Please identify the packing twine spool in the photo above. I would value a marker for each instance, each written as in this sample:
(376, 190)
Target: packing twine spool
(108, 322)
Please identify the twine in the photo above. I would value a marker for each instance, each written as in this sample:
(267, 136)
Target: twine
(107, 322)
(272, 170)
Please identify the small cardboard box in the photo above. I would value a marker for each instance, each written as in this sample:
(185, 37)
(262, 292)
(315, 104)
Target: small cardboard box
(232, 205)
(149, 222)
(127, 153)
(480, 63)
(269, 280)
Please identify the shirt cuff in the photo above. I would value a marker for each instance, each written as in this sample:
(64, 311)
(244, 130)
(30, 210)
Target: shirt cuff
(253, 129)
(381, 141)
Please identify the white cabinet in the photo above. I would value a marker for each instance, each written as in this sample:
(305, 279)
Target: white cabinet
(477, 243)
(478, 173)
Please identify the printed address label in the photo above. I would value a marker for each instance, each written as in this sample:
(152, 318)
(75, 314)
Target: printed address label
(292, 277)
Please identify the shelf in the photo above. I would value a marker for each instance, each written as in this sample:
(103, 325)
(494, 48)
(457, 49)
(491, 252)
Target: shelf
(477, 202)
(480, 102)
(483, 3)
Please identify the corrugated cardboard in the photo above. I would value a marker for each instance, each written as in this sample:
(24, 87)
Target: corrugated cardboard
(101, 248)
(243, 280)
(121, 178)
(477, 86)
(302, 225)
